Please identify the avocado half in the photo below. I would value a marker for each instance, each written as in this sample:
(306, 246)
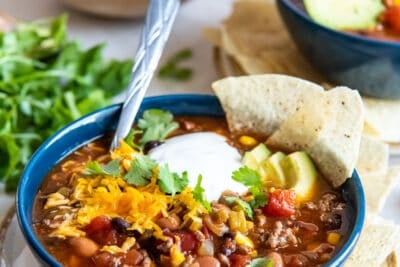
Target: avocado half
(345, 14)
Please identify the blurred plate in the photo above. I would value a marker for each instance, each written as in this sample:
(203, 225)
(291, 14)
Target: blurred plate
(110, 8)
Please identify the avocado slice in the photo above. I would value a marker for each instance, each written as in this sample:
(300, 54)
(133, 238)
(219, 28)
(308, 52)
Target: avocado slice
(345, 14)
(254, 157)
(301, 174)
(273, 169)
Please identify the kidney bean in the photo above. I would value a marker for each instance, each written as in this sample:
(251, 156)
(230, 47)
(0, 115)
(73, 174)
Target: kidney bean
(238, 260)
(83, 246)
(103, 259)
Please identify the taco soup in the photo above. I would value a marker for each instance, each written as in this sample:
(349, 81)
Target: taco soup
(375, 19)
(185, 191)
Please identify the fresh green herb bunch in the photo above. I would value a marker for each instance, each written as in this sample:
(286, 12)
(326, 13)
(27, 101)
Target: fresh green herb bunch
(46, 82)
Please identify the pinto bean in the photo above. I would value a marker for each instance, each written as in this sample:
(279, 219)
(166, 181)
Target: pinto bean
(207, 261)
(276, 259)
(171, 222)
(83, 246)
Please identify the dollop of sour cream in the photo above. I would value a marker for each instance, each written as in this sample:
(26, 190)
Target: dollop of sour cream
(204, 153)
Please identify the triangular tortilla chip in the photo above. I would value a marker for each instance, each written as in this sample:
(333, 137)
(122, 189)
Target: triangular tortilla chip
(391, 260)
(258, 104)
(377, 241)
(373, 157)
(329, 129)
(256, 37)
(383, 117)
(377, 188)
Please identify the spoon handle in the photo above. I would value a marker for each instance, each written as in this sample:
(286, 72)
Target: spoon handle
(159, 20)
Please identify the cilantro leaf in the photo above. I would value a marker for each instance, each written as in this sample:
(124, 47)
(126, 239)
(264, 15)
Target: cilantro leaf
(46, 81)
(261, 262)
(111, 168)
(130, 139)
(260, 199)
(141, 170)
(170, 182)
(172, 70)
(199, 194)
(156, 124)
(248, 177)
(253, 181)
(242, 204)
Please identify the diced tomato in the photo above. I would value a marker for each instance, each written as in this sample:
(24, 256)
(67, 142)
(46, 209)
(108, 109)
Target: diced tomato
(101, 231)
(188, 241)
(99, 223)
(281, 203)
(238, 260)
(391, 17)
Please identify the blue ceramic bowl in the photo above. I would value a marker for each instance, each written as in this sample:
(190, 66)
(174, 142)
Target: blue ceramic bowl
(99, 123)
(368, 65)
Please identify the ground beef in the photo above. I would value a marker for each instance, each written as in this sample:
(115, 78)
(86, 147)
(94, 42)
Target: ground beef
(281, 236)
(330, 208)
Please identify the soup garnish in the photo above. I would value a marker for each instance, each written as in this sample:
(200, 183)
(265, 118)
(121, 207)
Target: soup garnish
(123, 208)
(373, 18)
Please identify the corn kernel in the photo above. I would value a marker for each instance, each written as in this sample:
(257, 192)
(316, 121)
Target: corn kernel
(177, 256)
(247, 140)
(243, 240)
(237, 221)
(333, 238)
(196, 224)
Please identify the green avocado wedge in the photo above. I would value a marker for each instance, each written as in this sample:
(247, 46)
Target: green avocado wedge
(273, 169)
(345, 14)
(301, 174)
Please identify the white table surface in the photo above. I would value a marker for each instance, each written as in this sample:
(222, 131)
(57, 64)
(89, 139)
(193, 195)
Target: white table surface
(121, 38)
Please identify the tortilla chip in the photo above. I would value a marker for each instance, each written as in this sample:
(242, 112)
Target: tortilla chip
(391, 260)
(256, 37)
(329, 129)
(383, 117)
(258, 104)
(377, 188)
(213, 35)
(373, 157)
(378, 240)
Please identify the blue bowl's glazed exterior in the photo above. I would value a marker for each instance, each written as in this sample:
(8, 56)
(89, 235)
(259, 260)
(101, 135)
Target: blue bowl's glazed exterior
(104, 121)
(368, 65)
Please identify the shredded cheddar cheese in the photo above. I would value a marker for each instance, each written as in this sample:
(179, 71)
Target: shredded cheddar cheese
(114, 197)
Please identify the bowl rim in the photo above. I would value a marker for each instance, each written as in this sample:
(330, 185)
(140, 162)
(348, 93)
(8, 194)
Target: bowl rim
(45, 257)
(349, 36)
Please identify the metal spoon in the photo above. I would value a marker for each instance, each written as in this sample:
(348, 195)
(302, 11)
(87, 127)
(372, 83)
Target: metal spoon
(159, 20)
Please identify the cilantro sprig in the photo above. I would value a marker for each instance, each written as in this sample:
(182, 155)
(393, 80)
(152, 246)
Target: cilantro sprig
(171, 182)
(246, 207)
(172, 68)
(141, 170)
(156, 125)
(253, 181)
(111, 168)
(199, 194)
(47, 81)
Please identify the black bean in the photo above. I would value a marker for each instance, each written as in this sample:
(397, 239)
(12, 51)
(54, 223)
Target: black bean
(150, 145)
(333, 222)
(120, 225)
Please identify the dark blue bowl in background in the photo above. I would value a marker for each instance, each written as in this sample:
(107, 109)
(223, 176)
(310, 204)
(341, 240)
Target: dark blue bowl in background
(368, 65)
(101, 122)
